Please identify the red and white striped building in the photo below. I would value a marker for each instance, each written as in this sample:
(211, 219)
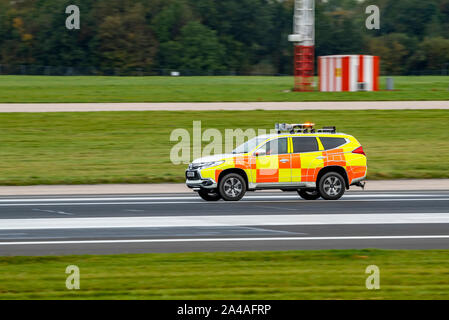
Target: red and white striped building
(348, 73)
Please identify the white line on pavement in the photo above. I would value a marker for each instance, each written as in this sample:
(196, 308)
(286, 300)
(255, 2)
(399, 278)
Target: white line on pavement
(205, 203)
(225, 240)
(223, 220)
(353, 196)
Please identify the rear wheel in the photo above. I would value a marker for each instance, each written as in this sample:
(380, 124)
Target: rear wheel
(232, 187)
(209, 195)
(309, 195)
(331, 186)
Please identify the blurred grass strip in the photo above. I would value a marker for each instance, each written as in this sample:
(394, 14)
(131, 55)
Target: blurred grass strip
(134, 147)
(338, 274)
(201, 89)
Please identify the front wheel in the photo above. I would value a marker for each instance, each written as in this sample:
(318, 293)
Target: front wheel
(309, 195)
(332, 186)
(209, 195)
(232, 187)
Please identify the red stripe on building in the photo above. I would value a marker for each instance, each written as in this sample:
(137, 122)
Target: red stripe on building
(320, 76)
(335, 75)
(376, 73)
(345, 71)
(361, 68)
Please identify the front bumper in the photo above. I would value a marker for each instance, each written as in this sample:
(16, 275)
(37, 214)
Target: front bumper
(201, 184)
(195, 181)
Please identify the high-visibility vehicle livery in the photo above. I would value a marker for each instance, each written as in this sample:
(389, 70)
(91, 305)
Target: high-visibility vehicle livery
(315, 163)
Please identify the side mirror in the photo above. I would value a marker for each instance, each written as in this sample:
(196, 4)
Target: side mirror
(260, 152)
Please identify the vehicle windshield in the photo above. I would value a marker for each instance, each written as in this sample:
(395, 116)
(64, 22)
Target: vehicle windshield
(249, 145)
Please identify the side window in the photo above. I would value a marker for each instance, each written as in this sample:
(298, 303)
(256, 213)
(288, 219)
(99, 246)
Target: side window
(277, 146)
(332, 143)
(304, 144)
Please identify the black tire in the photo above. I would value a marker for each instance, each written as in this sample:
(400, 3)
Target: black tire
(232, 187)
(209, 195)
(331, 186)
(309, 195)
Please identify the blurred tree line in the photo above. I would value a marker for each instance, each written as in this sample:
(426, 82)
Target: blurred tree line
(245, 36)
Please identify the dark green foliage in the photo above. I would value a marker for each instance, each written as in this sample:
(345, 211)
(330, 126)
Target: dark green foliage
(198, 48)
(203, 36)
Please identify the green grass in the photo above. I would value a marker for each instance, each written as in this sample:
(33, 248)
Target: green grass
(200, 89)
(338, 274)
(134, 147)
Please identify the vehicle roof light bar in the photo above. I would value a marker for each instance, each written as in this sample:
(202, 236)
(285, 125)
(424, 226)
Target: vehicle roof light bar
(307, 127)
(328, 130)
(279, 127)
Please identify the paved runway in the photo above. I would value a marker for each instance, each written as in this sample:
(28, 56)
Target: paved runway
(108, 224)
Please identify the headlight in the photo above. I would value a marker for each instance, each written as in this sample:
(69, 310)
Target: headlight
(209, 164)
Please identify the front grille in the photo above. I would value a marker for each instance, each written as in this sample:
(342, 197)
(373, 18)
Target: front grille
(194, 177)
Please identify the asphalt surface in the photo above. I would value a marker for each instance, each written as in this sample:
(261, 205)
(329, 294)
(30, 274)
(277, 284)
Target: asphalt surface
(110, 224)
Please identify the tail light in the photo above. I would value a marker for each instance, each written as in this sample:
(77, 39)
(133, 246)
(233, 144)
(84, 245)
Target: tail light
(359, 150)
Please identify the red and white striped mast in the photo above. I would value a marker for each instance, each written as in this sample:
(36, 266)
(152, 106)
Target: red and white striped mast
(303, 38)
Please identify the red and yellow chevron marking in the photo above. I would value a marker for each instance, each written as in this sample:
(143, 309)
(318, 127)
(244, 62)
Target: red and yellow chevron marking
(303, 167)
(268, 169)
(334, 158)
(355, 172)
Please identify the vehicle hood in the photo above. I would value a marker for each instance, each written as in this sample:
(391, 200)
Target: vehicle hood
(213, 158)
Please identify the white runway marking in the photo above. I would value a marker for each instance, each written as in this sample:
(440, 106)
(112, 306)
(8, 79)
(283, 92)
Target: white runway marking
(295, 196)
(226, 240)
(223, 220)
(52, 211)
(207, 203)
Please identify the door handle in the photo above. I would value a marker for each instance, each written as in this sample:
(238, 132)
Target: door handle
(321, 158)
(285, 160)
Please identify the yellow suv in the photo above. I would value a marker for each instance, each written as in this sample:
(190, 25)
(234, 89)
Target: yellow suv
(315, 163)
